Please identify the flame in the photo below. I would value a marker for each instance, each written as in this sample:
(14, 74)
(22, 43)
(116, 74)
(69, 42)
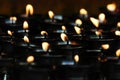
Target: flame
(77, 29)
(95, 22)
(63, 28)
(45, 46)
(29, 9)
(78, 22)
(44, 33)
(76, 58)
(101, 17)
(98, 33)
(105, 46)
(83, 11)
(64, 37)
(117, 33)
(51, 14)
(13, 18)
(118, 52)
(26, 39)
(30, 59)
(25, 25)
(118, 24)
(9, 32)
(111, 7)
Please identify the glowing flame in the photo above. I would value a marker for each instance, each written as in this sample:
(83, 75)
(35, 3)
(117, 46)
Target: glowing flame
(25, 25)
(63, 28)
(30, 59)
(51, 14)
(118, 24)
(83, 11)
(29, 9)
(64, 37)
(13, 18)
(26, 39)
(76, 58)
(95, 22)
(101, 17)
(45, 46)
(118, 52)
(98, 33)
(105, 46)
(117, 33)
(9, 32)
(111, 7)
(44, 33)
(78, 22)
(77, 29)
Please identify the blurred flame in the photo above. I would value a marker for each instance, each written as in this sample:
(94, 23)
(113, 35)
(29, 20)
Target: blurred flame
(77, 29)
(13, 18)
(64, 37)
(117, 33)
(78, 22)
(51, 14)
(118, 24)
(9, 32)
(118, 52)
(83, 11)
(45, 46)
(26, 39)
(105, 46)
(95, 22)
(30, 59)
(76, 58)
(111, 7)
(63, 28)
(29, 9)
(44, 33)
(98, 33)
(101, 17)
(25, 25)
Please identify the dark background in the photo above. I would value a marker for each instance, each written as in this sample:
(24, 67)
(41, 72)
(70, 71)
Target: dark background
(66, 7)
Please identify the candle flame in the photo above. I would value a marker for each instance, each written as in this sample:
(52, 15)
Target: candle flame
(9, 32)
(25, 25)
(77, 29)
(76, 58)
(105, 46)
(95, 22)
(44, 33)
(13, 18)
(111, 7)
(101, 17)
(51, 14)
(30, 59)
(118, 24)
(98, 33)
(83, 11)
(118, 52)
(117, 33)
(63, 28)
(45, 46)
(64, 37)
(26, 39)
(29, 9)
(78, 22)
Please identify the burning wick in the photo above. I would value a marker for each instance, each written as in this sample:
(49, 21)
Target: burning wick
(29, 10)
(64, 28)
(25, 26)
(26, 40)
(64, 37)
(76, 58)
(44, 33)
(78, 22)
(13, 19)
(30, 59)
(45, 46)
(10, 34)
(83, 13)
(99, 34)
(51, 15)
(77, 30)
